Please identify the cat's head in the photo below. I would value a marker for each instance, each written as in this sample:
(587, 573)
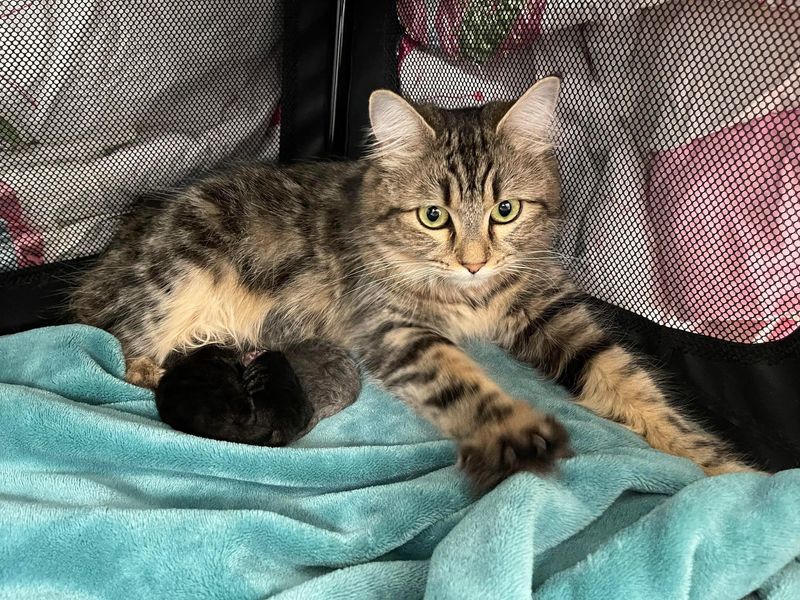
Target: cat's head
(461, 197)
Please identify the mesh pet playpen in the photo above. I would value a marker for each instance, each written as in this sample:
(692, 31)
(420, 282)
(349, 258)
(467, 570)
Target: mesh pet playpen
(679, 142)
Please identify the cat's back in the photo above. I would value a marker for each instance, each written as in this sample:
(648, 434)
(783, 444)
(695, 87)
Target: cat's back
(243, 209)
(210, 260)
(278, 189)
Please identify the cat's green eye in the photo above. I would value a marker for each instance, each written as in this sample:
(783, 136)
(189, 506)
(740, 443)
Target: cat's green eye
(433, 217)
(506, 211)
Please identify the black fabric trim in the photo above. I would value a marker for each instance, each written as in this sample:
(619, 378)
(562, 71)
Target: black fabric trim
(308, 67)
(641, 328)
(38, 296)
(370, 64)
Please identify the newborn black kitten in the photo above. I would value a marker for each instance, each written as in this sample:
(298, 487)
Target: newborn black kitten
(274, 399)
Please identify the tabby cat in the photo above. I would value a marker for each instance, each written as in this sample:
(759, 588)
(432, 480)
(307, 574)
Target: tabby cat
(444, 232)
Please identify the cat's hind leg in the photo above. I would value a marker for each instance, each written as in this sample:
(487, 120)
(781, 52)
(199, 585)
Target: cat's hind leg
(202, 308)
(562, 338)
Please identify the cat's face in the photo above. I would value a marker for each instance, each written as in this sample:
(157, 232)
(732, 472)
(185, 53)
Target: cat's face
(464, 198)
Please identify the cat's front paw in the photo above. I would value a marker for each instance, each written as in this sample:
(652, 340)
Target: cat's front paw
(526, 440)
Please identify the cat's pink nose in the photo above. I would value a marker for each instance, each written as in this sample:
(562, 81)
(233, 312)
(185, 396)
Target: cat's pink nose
(474, 267)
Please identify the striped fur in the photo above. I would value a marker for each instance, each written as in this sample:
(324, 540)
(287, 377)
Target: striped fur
(261, 255)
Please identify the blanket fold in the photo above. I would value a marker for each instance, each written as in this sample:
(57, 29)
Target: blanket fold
(99, 499)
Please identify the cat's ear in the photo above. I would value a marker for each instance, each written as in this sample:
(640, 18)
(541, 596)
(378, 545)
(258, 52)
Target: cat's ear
(399, 130)
(529, 123)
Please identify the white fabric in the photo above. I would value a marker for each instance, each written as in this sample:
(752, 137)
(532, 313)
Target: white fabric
(109, 99)
(707, 69)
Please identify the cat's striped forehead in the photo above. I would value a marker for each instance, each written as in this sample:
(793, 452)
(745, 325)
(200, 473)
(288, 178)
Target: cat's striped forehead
(464, 158)
(466, 146)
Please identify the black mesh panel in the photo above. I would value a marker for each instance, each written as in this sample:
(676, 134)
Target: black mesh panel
(101, 101)
(679, 142)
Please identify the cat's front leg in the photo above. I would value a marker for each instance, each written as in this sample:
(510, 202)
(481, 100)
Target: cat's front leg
(560, 336)
(497, 435)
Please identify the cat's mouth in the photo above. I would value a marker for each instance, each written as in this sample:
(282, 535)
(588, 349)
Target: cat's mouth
(456, 275)
(464, 277)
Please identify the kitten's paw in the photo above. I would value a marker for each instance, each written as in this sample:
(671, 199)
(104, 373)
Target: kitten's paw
(143, 372)
(526, 440)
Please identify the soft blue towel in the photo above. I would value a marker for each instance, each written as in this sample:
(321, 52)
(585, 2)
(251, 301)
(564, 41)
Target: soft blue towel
(98, 499)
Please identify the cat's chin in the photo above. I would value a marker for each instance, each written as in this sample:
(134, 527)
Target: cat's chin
(470, 280)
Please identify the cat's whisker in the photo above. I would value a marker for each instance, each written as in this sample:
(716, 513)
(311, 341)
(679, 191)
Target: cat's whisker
(537, 272)
(376, 263)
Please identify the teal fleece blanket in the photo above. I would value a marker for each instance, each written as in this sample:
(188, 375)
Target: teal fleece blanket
(98, 499)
